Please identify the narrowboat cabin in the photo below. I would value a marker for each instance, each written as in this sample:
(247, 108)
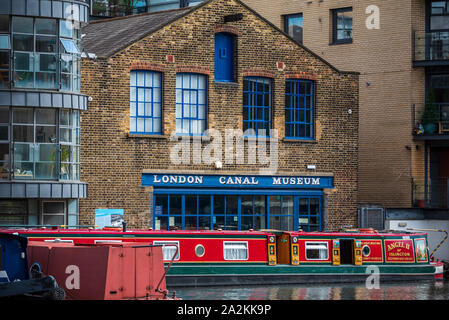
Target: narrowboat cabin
(210, 258)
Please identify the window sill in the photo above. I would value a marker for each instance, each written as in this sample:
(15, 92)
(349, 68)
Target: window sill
(299, 140)
(148, 136)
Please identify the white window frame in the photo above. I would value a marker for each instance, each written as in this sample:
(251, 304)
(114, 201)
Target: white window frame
(317, 245)
(245, 243)
(168, 244)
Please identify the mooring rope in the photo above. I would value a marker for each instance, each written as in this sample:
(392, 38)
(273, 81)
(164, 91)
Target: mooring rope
(434, 230)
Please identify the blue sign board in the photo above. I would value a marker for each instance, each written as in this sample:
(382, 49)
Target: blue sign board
(235, 181)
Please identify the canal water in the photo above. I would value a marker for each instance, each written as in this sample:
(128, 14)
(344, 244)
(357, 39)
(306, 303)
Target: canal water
(427, 290)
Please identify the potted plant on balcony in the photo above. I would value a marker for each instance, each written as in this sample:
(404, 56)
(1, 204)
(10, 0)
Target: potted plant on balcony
(430, 117)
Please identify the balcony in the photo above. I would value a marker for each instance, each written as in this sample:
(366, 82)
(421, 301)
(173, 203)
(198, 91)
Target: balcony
(430, 48)
(433, 195)
(438, 129)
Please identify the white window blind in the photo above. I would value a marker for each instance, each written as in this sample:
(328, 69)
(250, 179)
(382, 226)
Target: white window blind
(235, 250)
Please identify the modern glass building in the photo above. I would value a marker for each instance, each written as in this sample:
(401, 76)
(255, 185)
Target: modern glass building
(40, 110)
(117, 8)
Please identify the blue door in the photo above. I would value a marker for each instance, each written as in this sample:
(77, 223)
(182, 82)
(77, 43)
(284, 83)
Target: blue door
(224, 57)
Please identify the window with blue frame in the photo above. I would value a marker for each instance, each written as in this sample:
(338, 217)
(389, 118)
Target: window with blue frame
(145, 102)
(215, 211)
(257, 105)
(224, 57)
(299, 109)
(191, 103)
(309, 216)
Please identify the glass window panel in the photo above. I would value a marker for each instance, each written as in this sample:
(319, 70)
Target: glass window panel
(259, 222)
(65, 153)
(191, 204)
(4, 23)
(190, 223)
(232, 222)
(46, 116)
(4, 115)
(64, 117)
(218, 222)
(161, 223)
(45, 171)
(232, 203)
(275, 222)
(23, 42)
(47, 152)
(247, 223)
(22, 24)
(204, 223)
(204, 205)
(247, 205)
(287, 205)
(46, 134)
(175, 204)
(45, 44)
(46, 26)
(23, 170)
(4, 133)
(23, 134)
(65, 28)
(219, 204)
(275, 205)
(287, 223)
(161, 206)
(314, 206)
(70, 46)
(53, 220)
(4, 41)
(4, 152)
(45, 80)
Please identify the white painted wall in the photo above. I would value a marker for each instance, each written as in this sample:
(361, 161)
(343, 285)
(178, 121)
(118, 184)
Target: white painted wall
(433, 238)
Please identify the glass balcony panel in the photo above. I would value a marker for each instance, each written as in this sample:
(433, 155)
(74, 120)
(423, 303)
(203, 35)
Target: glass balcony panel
(23, 170)
(45, 171)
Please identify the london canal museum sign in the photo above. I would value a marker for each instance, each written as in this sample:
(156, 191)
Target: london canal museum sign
(235, 181)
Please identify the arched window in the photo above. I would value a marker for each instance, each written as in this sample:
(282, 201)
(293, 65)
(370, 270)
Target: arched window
(145, 102)
(224, 57)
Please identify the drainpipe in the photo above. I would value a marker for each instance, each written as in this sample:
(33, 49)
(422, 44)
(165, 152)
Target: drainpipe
(426, 173)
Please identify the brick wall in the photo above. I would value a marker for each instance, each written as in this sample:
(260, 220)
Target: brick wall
(384, 59)
(113, 160)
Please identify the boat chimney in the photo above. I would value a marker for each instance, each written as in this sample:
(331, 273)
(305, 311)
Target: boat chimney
(124, 226)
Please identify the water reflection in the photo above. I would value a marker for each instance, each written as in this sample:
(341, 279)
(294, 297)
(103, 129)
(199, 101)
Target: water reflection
(428, 290)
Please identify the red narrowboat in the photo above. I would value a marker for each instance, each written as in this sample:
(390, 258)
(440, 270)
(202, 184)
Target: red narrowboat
(213, 258)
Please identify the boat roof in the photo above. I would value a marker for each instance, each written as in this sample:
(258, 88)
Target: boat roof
(174, 233)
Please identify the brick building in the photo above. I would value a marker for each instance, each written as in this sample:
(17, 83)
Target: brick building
(401, 60)
(158, 79)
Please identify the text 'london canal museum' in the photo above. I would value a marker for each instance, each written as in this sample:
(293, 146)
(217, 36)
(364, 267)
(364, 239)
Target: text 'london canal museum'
(212, 118)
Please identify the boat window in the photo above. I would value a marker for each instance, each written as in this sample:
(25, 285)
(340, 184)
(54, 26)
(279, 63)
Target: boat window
(168, 249)
(235, 250)
(317, 251)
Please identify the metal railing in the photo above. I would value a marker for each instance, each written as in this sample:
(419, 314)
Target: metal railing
(440, 126)
(431, 46)
(434, 194)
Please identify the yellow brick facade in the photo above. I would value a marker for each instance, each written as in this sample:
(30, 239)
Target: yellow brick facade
(390, 86)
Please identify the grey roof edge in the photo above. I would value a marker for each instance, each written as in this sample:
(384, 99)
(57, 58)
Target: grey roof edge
(189, 10)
